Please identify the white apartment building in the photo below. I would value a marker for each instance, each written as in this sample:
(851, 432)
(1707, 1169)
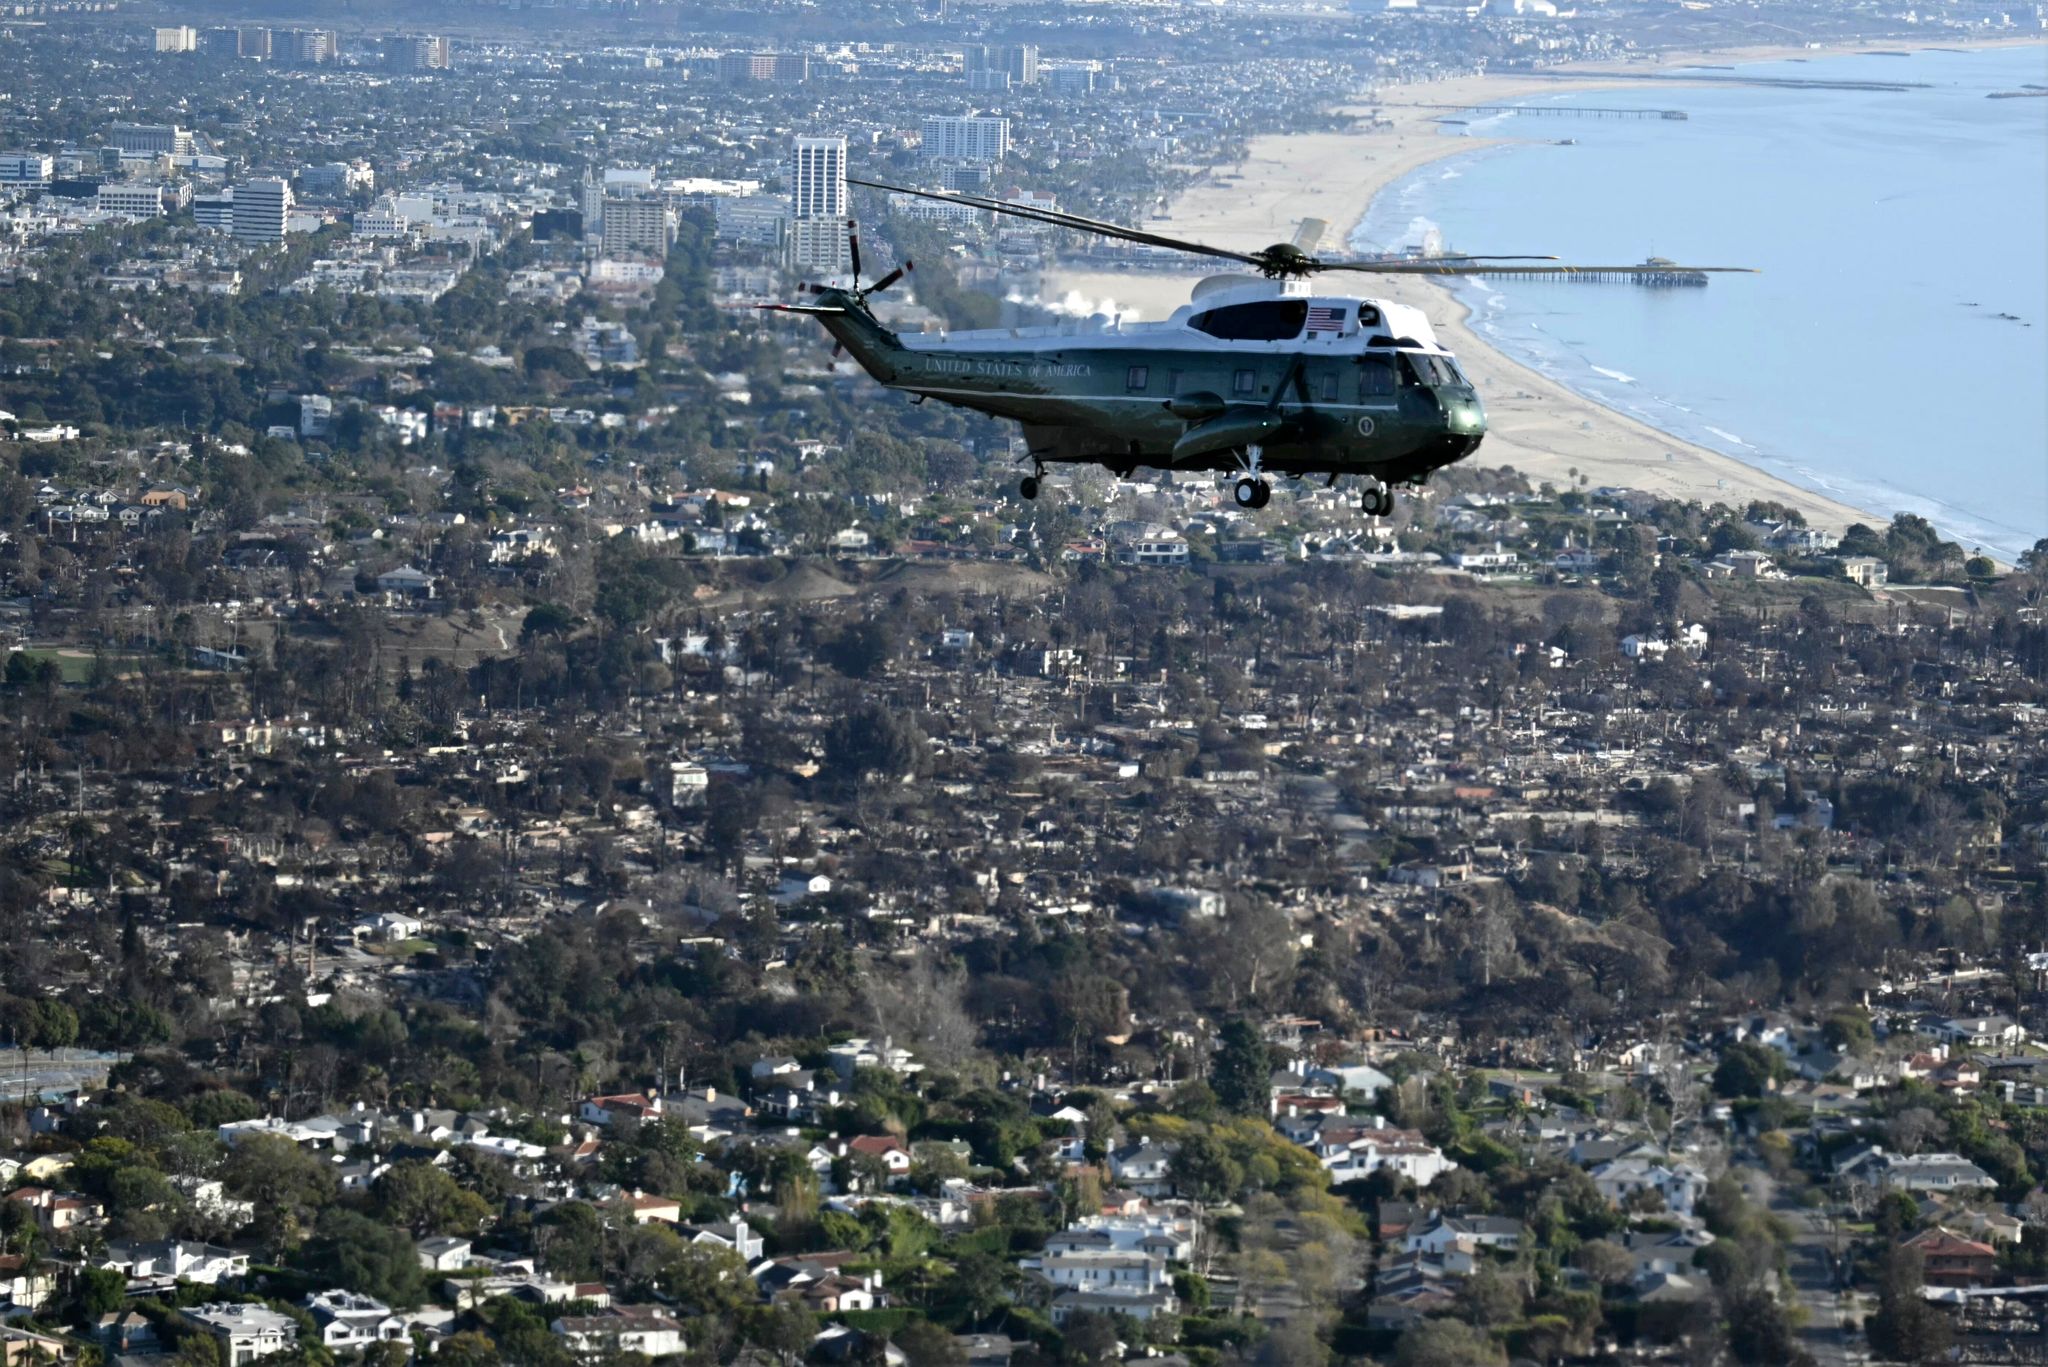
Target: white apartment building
(971, 137)
(644, 227)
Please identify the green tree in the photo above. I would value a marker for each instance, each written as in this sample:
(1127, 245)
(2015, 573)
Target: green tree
(1748, 1069)
(1448, 1343)
(1242, 1072)
(425, 1200)
(366, 1255)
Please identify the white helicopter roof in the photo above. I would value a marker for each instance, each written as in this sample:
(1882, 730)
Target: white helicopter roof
(1354, 322)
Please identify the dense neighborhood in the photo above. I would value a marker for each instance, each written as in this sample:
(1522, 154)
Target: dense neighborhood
(545, 820)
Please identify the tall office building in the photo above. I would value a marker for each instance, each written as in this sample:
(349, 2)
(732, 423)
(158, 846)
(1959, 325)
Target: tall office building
(253, 42)
(638, 227)
(261, 210)
(817, 203)
(181, 39)
(417, 52)
(975, 137)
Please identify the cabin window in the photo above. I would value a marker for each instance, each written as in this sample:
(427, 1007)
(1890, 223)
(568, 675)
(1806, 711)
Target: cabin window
(1375, 377)
(1244, 382)
(1329, 388)
(1137, 377)
(1268, 320)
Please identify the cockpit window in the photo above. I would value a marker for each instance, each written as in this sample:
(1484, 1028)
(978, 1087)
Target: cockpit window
(1268, 320)
(1431, 371)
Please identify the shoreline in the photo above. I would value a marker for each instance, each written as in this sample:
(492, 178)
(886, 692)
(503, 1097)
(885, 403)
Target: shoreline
(1539, 426)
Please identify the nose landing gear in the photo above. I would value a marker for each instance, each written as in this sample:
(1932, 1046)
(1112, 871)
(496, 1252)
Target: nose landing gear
(1027, 487)
(1377, 500)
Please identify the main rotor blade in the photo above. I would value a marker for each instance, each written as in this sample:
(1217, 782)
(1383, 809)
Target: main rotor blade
(1433, 267)
(853, 249)
(1056, 219)
(815, 310)
(891, 278)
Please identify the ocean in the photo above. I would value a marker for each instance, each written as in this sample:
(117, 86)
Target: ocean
(1894, 352)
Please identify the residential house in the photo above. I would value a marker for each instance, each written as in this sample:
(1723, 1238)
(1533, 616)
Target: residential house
(1934, 1172)
(351, 1321)
(1952, 1260)
(443, 1253)
(644, 1329)
(175, 1260)
(1627, 1179)
(245, 1333)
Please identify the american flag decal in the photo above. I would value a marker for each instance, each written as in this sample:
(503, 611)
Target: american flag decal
(1325, 318)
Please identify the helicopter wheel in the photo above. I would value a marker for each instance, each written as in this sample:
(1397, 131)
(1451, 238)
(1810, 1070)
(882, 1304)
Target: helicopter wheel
(1028, 487)
(1253, 493)
(1376, 501)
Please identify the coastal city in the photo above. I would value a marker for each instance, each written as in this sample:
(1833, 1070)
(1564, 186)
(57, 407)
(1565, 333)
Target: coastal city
(546, 817)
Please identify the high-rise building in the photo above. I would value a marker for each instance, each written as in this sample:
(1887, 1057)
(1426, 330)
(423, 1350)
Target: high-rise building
(165, 139)
(262, 208)
(1020, 60)
(817, 203)
(988, 81)
(593, 205)
(303, 46)
(220, 42)
(253, 42)
(638, 227)
(974, 137)
(181, 39)
(817, 178)
(417, 52)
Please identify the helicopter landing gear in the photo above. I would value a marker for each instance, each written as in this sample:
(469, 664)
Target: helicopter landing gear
(1028, 487)
(1252, 491)
(1377, 500)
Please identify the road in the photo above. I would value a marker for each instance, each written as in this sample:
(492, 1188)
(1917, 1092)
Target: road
(1811, 1256)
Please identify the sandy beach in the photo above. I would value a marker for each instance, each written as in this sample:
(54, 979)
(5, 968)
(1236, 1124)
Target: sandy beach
(1534, 424)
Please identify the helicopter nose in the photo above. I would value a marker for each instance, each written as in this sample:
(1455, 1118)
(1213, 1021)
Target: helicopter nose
(1465, 418)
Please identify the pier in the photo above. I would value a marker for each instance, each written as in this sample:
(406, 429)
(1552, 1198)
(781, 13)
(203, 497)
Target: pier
(1569, 111)
(1701, 76)
(1676, 277)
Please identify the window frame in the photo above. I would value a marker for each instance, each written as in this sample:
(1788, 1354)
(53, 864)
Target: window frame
(1137, 379)
(1244, 384)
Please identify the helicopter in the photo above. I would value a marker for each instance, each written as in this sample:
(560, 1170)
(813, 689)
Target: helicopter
(1258, 374)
